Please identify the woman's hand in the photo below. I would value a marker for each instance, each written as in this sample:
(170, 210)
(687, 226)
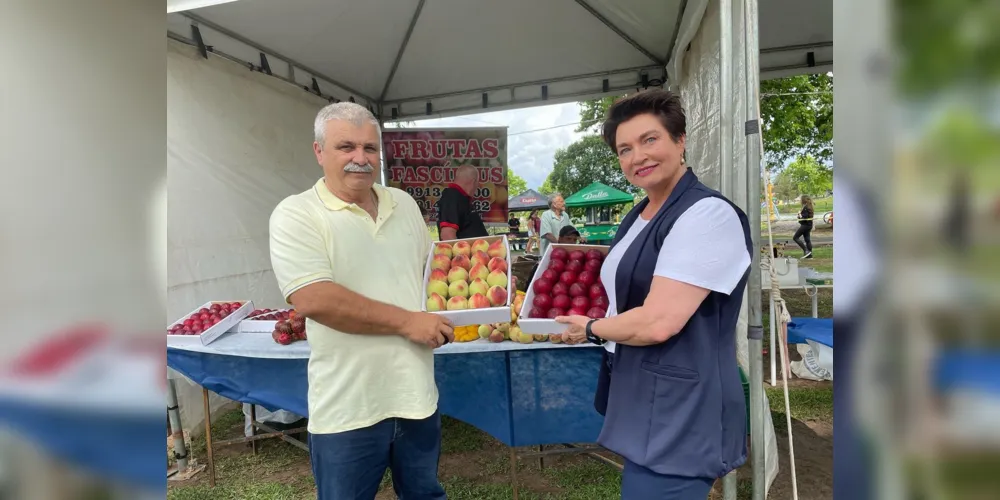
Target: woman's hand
(577, 331)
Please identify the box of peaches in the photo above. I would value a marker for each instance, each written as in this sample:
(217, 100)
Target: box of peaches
(207, 323)
(467, 281)
(567, 282)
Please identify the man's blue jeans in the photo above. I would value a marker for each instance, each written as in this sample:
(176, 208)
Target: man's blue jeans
(350, 465)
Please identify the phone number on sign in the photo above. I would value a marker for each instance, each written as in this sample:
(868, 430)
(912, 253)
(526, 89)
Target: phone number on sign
(481, 206)
(435, 192)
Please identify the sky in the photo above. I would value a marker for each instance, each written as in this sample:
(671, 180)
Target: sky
(533, 134)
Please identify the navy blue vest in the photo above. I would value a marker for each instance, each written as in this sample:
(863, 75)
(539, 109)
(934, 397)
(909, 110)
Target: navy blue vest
(677, 407)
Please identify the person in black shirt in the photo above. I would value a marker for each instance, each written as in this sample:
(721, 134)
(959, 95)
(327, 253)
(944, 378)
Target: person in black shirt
(805, 228)
(456, 217)
(514, 223)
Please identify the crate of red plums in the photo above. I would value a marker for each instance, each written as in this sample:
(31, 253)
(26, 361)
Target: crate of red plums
(208, 322)
(262, 320)
(566, 283)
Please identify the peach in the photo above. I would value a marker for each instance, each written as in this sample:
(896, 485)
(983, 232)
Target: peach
(458, 289)
(461, 248)
(478, 286)
(497, 249)
(480, 257)
(457, 303)
(485, 331)
(497, 264)
(556, 338)
(442, 249)
(461, 261)
(457, 274)
(497, 278)
(435, 302)
(497, 296)
(437, 287)
(439, 275)
(478, 301)
(540, 337)
(496, 336)
(441, 263)
(480, 246)
(478, 271)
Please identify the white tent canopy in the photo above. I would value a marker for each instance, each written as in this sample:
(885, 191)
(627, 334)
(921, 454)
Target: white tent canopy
(414, 58)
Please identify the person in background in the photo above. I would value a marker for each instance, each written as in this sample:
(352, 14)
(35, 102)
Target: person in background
(568, 235)
(457, 218)
(534, 225)
(553, 220)
(669, 387)
(372, 398)
(805, 228)
(514, 224)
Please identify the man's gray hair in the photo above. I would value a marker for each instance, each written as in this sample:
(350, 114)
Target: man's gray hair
(346, 111)
(552, 198)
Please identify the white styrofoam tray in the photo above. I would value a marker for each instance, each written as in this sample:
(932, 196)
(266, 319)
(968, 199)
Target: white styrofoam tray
(208, 336)
(541, 326)
(251, 325)
(472, 316)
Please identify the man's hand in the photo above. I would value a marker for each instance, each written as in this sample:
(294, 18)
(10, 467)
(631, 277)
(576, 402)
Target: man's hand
(431, 330)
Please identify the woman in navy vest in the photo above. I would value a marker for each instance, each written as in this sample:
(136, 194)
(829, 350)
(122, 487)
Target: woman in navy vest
(670, 388)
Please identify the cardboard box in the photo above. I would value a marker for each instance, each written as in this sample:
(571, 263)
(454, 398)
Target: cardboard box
(473, 316)
(537, 326)
(217, 330)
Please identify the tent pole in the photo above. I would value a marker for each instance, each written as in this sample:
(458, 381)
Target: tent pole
(726, 174)
(755, 326)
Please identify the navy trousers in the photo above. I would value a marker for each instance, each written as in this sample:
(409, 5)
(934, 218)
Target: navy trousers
(350, 465)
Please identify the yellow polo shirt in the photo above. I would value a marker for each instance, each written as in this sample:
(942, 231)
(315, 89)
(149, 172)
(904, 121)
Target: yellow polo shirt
(356, 380)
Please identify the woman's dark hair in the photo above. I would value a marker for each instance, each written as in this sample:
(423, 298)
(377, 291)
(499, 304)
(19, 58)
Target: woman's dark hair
(663, 104)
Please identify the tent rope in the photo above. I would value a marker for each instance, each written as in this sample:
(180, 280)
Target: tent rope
(781, 310)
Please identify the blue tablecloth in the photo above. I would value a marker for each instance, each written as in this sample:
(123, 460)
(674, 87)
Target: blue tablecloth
(520, 397)
(968, 369)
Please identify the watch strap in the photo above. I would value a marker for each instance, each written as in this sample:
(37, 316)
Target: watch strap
(594, 339)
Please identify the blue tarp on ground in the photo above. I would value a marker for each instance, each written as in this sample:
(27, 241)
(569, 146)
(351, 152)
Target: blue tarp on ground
(819, 330)
(522, 398)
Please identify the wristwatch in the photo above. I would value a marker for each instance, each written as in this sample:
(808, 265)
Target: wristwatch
(594, 339)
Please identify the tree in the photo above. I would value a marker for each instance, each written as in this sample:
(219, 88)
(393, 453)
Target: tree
(797, 119)
(583, 162)
(592, 113)
(515, 183)
(803, 176)
(784, 186)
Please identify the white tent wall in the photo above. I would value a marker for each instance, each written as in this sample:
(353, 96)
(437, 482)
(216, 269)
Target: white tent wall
(716, 140)
(238, 142)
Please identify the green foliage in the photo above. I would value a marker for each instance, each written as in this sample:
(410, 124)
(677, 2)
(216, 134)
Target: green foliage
(803, 176)
(797, 119)
(583, 162)
(941, 44)
(784, 187)
(593, 112)
(515, 183)
(547, 187)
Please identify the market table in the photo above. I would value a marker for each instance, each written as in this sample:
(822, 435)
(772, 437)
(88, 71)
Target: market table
(521, 394)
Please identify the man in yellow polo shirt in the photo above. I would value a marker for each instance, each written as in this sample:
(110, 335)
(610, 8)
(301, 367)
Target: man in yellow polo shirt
(349, 256)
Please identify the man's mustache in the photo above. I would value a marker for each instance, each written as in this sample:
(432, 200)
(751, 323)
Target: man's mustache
(360, 169)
